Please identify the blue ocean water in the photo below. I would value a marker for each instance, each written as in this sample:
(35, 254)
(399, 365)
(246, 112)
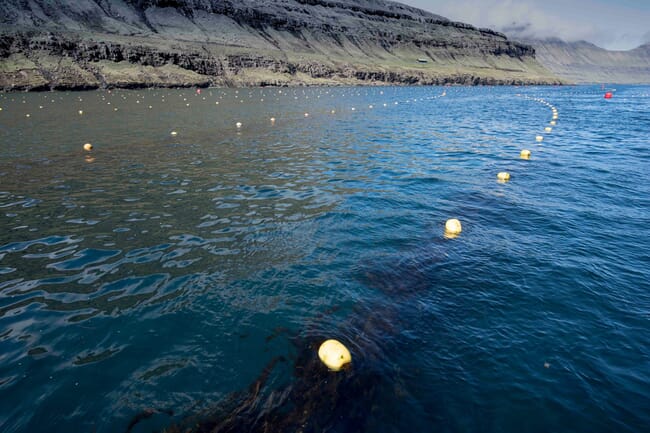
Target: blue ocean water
(187, 279)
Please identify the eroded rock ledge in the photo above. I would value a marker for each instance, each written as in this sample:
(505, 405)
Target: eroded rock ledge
(175, 43)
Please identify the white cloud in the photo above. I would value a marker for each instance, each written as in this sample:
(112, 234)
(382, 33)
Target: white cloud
(521, 19)
(610, 25)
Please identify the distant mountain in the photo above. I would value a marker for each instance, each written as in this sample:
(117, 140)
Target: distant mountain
(584, 62)
(66, 44)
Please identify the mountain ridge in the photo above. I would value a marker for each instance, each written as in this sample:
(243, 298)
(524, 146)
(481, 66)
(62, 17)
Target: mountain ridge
(139, 43)
(585, 62)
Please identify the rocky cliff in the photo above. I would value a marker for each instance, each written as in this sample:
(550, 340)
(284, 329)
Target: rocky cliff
(583, 62)
(63, 44)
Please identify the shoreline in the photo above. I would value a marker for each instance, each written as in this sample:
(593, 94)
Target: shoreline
(47, 61)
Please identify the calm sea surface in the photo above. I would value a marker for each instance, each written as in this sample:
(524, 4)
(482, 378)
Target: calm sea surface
(191, 276)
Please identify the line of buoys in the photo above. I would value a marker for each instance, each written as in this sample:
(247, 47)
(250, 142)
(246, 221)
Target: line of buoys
(334, 354)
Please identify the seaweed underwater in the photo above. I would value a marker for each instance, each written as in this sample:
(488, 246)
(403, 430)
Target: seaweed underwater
(317, 399)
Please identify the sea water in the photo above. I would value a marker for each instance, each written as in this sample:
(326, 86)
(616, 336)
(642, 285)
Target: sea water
(167, 268)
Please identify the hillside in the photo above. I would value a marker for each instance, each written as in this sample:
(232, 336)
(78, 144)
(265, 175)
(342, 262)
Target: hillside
(134, 43)
(583, 62)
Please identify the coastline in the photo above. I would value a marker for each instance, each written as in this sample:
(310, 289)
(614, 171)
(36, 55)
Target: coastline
(47, 61)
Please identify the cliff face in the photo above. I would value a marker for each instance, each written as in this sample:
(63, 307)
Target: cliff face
(583, 62)
(127, 43)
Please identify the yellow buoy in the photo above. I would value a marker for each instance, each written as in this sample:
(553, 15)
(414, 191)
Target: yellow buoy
(539, 138)
(81, 111)
(548, 129)
(525, 154)
(453, 227)
(552, 123)
(334, 354)
(88, 147)
(503, 176)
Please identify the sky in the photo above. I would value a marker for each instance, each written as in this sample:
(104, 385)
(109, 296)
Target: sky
(611, 24)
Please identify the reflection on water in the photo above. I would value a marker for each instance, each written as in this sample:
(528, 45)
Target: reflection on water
(184, 280)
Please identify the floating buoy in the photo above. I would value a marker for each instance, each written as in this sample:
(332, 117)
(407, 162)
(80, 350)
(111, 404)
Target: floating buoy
(238, 124)
(334, 354)
(503, 176)
(453, 227)
(88, 147)
(27, 115)
(524, 154)
(539, 138)
(608, 95)
(198, 91)
(548, 129)
(333, 111)
(306, 114)
(174, 133)
(552, 123)
(272, 119)
(81, 112)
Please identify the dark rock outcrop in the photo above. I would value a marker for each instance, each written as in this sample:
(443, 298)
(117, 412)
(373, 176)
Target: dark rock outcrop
(109, 43)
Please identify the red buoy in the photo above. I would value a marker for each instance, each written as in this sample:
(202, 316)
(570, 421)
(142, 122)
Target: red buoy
(198, 91)
(608, 95)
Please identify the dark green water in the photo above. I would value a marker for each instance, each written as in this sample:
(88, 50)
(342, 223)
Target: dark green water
(166, 272)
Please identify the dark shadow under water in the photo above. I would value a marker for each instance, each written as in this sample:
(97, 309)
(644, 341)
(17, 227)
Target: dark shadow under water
(317, 399)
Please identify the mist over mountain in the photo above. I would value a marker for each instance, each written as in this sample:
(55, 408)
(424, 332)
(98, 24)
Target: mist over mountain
(584, 62)
(132, 43)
